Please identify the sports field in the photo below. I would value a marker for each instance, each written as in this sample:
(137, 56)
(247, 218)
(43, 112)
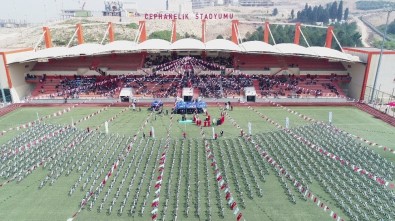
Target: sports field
(72, 163)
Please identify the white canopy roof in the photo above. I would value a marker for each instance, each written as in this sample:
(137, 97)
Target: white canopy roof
(221, 45)
(158, 45)
(188, 44)
(154, 44)
(120, 46)
(85, 49)
(258, 47)
(294, 49)
(333, 54)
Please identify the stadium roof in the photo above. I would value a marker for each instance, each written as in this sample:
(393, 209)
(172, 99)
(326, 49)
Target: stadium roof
(294, 49)
(221, 45)
(258, 47)
(187, 44)
(85, 49)
(119, 46)
(154, 45)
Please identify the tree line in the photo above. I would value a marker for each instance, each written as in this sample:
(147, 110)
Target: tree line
(333, 11)
(346, 33)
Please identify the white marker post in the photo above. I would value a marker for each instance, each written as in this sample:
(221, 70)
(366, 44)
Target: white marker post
(72, 122)
(106, 126)
(213, 133)
(330, 117)
(153, 132)
(249, 128)
(287, 122)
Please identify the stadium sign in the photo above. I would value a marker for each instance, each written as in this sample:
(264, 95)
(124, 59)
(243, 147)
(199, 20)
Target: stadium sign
(197, 16)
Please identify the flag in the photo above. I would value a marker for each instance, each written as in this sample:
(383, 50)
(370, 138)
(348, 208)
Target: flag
(227, 196)
(233, 205)
(239, 216)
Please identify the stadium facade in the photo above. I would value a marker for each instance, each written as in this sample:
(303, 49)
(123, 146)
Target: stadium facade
(121, 57)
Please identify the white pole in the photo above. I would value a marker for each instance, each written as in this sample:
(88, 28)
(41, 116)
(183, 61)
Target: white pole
(106, 126)
(153, 132)
(72, 121)
(249, 128)
(213, 133)
(330, 117)
(287, 122)
(38, 118)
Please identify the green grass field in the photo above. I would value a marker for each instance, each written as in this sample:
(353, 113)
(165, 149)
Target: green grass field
(189, 183)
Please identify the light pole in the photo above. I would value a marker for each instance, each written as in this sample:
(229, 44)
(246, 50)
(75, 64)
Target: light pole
(381, 55)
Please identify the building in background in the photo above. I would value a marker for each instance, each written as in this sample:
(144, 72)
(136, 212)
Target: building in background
(255, 3)
(113, 8)
(131, 8)
(73, 13)
(179, 6)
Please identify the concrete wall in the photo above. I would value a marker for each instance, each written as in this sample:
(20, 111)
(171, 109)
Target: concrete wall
(20, 88)
(357, 73)
(3, 74)
(386, 77)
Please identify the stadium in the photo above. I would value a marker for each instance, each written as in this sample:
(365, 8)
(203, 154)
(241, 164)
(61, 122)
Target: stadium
(190, 129)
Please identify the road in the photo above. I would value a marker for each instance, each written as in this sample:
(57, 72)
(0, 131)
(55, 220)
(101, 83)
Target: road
(364, 30)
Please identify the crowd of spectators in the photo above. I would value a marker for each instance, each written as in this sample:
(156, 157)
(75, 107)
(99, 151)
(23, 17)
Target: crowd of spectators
(73, 87)
(226, 62)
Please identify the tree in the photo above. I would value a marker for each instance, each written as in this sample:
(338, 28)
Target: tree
(292, 14)
(346, 12)
(275, 12)
(164, 34)
(333, 10)
(340, 11)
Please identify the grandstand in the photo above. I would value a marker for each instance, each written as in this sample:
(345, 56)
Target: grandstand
(192, 129)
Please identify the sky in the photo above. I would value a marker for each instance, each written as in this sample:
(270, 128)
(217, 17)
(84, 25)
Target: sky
(39, 11)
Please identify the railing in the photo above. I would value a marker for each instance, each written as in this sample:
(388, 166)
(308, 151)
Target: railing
(380, 100)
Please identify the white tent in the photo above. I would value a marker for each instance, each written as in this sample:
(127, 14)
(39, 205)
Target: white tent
(187, 94)
(250, 94)
(126, 94)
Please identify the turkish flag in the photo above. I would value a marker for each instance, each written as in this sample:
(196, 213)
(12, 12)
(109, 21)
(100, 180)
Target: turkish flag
(239, 216)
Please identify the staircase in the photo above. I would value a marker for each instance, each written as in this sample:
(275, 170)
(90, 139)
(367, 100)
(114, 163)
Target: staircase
(376, 113)
(8, 109)
(196, 92)
(255, 84)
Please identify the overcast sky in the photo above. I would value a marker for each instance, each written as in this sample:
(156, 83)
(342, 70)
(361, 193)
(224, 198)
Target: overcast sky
(41, 10)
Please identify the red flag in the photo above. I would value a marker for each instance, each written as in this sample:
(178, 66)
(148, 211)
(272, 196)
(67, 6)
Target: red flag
(239, 216)
(234, 204)
(219, 178)
(154, 216)
(223, 186)
(227, 195)
(334, 216)
(155, 204)
(157, 185)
